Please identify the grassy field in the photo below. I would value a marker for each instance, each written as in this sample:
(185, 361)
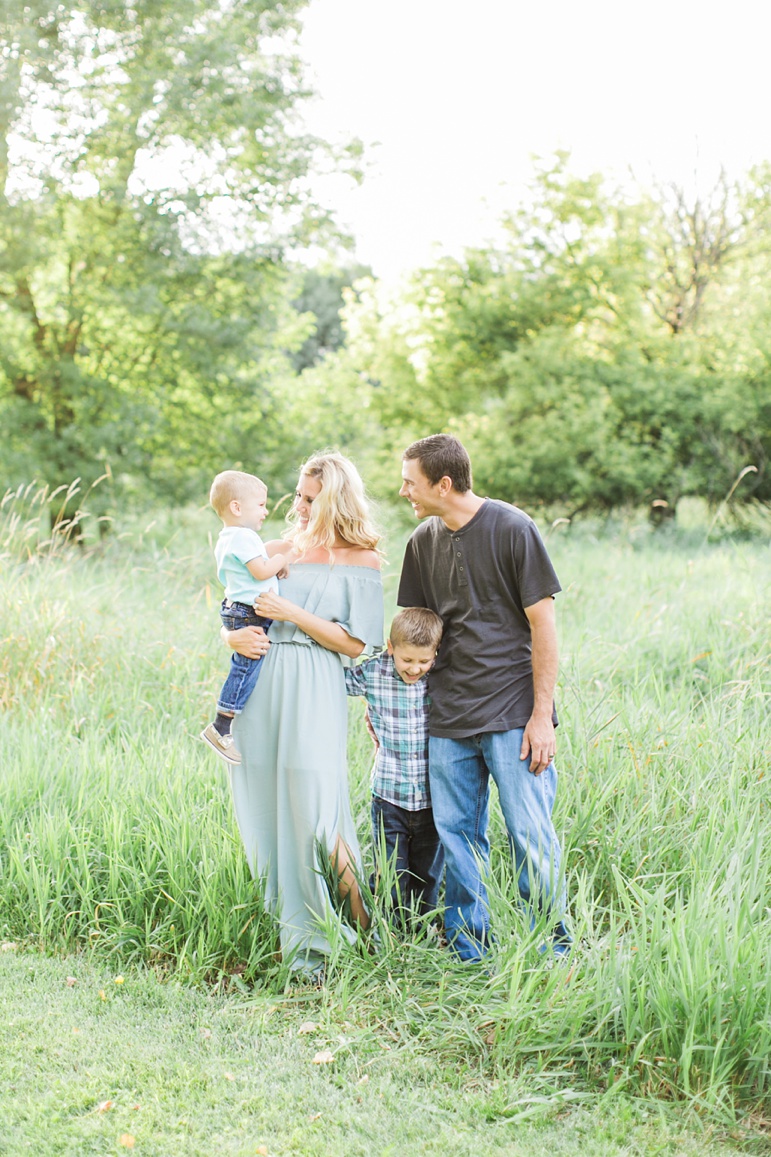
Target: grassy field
(120, 860)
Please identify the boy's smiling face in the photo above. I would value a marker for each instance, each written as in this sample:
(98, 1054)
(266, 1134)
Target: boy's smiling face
(411, 663)
(251, 511)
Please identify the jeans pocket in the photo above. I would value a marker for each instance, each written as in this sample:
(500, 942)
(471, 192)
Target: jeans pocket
(238, 615)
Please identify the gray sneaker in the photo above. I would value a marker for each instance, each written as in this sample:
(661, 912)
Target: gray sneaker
(224, 745)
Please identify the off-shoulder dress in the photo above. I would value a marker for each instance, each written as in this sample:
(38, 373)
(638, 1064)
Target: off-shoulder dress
(291, 788)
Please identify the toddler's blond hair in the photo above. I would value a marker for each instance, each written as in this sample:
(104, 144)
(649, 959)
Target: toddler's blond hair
(233, 485)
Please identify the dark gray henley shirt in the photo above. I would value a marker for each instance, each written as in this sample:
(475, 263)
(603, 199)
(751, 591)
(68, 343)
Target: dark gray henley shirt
(479, 579)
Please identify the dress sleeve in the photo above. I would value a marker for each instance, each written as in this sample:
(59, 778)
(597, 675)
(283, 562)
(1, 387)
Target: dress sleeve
(363, 614)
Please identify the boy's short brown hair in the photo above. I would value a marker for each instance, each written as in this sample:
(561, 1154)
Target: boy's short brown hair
(416, 627)
(230, 485)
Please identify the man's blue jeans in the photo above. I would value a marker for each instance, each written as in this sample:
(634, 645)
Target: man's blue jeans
(459, 773)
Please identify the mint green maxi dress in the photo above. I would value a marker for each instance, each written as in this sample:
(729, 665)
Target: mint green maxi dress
(291, 788)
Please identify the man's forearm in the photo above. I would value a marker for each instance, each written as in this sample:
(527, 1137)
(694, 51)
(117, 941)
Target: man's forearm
(545, 655)
(538, 740)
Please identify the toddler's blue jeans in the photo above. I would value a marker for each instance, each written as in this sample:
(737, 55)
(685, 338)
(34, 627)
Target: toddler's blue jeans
(243, 672)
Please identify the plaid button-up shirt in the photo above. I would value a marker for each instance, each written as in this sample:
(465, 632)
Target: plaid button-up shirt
(399, 715)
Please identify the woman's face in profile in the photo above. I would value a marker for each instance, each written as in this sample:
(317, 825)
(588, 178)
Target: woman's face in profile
(308, 488)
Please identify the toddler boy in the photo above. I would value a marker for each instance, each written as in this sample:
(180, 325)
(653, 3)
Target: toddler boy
(245, 570)
(394, 687)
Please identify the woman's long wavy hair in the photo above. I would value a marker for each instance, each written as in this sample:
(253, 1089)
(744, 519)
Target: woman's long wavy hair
(340, 508)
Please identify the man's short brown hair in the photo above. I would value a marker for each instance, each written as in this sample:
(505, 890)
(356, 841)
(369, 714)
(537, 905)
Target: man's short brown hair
(440, 456)
(416, 627)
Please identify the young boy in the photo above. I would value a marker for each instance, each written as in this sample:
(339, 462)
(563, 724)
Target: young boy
(394, 687)
(245, 570)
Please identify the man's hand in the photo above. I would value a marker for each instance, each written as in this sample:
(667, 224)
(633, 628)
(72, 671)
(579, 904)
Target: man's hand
(539, 742)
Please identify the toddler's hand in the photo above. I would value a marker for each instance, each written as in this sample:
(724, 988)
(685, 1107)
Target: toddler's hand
(290, 555)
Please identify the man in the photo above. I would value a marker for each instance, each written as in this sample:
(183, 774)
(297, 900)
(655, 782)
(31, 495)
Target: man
(482, 566)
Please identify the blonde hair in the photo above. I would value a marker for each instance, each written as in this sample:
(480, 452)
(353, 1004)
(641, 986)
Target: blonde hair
(416, 627)
(233, 485)
(340, 508)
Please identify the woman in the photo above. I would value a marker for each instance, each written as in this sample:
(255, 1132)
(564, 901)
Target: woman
(291, 788)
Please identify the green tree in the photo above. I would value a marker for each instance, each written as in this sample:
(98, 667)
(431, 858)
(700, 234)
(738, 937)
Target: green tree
(612, 351)
(321, 299)
(152, 174)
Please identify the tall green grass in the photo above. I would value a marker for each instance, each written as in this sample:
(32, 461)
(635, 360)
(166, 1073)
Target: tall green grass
(116, 831)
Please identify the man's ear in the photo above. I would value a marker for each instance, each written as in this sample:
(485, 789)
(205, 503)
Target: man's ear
(445, 485)
(389, 647)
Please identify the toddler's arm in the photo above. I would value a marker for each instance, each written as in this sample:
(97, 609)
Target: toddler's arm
(265, 568)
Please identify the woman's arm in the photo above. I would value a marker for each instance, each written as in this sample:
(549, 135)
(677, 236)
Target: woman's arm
(251, 642)
(279, 546)
(330, 635)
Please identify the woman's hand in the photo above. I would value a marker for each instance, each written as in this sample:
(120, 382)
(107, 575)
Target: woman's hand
(251, 642)
(273, 606)
(327, 634)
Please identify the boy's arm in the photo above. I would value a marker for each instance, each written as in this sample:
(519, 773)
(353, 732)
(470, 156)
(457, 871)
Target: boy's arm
(370, 728)
(356, 684)
(355, 681)
(265, 568)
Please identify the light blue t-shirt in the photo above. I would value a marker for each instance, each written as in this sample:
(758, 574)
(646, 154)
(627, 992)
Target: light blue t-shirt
(235, 547)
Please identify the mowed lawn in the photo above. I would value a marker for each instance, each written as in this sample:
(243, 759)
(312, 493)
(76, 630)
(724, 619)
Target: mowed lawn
(144, 1006)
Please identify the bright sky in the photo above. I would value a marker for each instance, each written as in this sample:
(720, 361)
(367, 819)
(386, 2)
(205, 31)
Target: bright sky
(454, 98)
